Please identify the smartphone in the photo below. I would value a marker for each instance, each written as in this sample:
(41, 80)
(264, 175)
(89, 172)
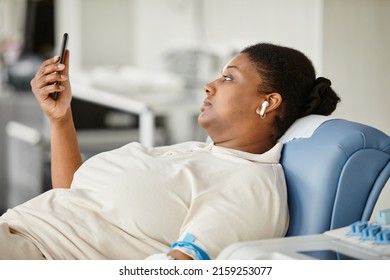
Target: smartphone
(64, 44)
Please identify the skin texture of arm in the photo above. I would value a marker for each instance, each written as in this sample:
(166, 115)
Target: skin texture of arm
(178, 255)
(65, 152)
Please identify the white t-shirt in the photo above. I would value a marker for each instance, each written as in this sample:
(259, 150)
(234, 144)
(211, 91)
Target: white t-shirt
(135, 201)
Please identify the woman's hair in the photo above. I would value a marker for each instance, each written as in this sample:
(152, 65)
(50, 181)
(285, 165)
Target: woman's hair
(291, 74)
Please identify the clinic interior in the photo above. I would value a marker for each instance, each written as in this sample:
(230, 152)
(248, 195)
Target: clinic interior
(158, 54)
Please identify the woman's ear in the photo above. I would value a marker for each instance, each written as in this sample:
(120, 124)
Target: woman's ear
(271, 102)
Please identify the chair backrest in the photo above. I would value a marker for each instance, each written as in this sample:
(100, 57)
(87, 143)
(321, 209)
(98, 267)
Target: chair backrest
(334, 177)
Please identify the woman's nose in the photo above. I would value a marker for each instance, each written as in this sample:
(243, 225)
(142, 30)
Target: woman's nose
(209, 89)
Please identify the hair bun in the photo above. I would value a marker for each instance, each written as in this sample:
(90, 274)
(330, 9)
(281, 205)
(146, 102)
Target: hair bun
(319, 98)
(322, 82)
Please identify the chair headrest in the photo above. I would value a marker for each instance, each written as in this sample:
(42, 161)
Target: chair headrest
(334, 176)
(303, 127)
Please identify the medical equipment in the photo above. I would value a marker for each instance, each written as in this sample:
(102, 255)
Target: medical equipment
(346, 243)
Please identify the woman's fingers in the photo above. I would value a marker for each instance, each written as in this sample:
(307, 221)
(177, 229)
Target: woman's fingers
(45, 66)
(47, 76)
(47, 90)
(49, 70)
(50, 79)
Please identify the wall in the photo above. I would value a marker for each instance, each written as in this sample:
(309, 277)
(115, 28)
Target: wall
(12, 13)
(100, 31)
(356, 57)
(356, 46)
(224, 23)
(140, 31)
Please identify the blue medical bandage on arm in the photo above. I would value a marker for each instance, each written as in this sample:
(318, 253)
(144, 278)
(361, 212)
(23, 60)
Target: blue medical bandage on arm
(189, 248)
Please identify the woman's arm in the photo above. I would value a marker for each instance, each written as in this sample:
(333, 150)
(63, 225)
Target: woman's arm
(172, 255)
(65, 152)
(178, 255)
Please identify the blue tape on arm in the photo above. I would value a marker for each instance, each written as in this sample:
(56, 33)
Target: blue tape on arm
(199, 252)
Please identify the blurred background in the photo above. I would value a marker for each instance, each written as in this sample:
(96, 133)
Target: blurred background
(138, 68)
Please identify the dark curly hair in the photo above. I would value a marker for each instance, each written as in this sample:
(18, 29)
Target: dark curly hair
(291, 74)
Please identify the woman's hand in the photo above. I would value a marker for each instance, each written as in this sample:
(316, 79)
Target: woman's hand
(65, 152)
(53, 77)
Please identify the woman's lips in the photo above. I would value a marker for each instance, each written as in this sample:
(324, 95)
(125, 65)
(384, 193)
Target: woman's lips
(206, 103)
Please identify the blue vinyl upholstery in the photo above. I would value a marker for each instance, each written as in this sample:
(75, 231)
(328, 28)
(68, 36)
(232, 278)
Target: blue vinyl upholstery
(334, 178)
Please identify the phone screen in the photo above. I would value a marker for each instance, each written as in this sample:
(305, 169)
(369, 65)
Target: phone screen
(64, 44)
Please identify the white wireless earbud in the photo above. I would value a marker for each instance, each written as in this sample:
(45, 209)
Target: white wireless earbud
(264, 106)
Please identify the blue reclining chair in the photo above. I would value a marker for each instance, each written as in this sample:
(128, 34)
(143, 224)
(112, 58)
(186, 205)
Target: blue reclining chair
(334, 178)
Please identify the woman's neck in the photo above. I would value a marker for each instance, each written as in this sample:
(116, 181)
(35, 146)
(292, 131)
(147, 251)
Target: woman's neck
(258, 147)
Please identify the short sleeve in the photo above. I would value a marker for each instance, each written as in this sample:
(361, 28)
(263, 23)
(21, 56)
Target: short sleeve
(255, 209)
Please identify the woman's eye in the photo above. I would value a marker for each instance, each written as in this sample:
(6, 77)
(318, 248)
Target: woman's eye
(226, 78)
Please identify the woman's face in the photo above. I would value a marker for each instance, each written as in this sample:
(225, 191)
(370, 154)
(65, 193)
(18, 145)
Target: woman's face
(231, 100)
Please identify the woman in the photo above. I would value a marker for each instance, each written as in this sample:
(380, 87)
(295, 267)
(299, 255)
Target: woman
(186, 201)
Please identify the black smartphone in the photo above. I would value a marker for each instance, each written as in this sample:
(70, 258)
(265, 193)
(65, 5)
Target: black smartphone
(64, 44)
